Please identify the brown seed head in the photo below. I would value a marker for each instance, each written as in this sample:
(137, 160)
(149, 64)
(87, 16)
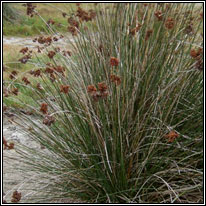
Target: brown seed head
(16, 197)
(114, 61)
(13, 74)
(51, 21)
(115, 79)
(64, 88)
(15, 91)
(48, 120)
(73, 30)
(102, 87)
(24, 50)
(51, 54)
(11, 146)
(39, 87)
(171, 136)
(148, 34)
(159, 15)
(91, 89)
(73, 22)
(169, 24)
(25, 80)
(44, 108)
(64, 14)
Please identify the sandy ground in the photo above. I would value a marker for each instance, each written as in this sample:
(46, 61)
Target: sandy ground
(28, 41)
(13, 179)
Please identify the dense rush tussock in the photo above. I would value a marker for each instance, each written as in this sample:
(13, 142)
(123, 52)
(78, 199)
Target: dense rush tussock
(120, 115)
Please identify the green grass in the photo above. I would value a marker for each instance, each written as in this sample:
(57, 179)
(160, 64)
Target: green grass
(31, 26)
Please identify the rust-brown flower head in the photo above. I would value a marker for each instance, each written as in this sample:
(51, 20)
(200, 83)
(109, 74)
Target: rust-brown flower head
(24, 50)
(73, 22)
(44, 108)
(189, 29)
(25, 80)
(133, 31)
(39, 49)
(25, 58)
(48, 120)
(193, 53)
(171, 136)
(114, 61)
(169, 24)
(39, 87)
(92, 14)
(64, 14)
(37, 73)
(55, 38)
(41, 40)
(64, 89)
(49, 70)
(196, 53)
(66, 53)
(72, 30)
(15, 91)
(13, 74)
(199, 64)
(11, 146)
(59, 69)
(159, 15)
(115, 79)
(16, 197)
(148, 34)
(51, 54)
(96, 95)
(52, 77)
(102, 87)
(91, 89)
(83, 15)
(51, 21)
(30, 9)
(5, 143)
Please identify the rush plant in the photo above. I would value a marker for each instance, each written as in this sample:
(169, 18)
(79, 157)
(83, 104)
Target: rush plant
(120, 117)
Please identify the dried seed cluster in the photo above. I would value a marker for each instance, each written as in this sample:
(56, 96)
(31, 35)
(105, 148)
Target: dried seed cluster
(171, 136)
(101, 93)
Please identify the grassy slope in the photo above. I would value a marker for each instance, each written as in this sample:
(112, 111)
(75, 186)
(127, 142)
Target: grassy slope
(27, 26)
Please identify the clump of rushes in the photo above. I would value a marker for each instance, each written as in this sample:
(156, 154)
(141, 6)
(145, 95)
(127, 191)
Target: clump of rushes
(128, 128)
